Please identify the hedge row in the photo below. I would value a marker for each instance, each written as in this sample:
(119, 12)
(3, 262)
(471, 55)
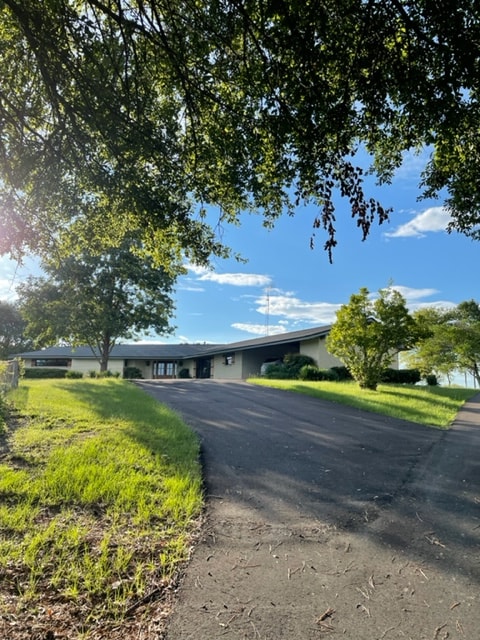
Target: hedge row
(52, 372)
(300, 367)
(44, 372)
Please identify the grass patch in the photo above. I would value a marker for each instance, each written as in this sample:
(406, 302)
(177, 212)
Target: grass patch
(100, 493)
(431, 406)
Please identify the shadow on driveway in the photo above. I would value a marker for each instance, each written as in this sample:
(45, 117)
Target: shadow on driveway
(280, 464)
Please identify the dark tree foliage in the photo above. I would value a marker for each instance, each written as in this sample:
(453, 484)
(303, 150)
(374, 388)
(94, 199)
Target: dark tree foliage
(12, 331)
(160, 106)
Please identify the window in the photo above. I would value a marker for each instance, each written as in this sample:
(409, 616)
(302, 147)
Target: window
(163, 369)
(229, 358)
(51, 362)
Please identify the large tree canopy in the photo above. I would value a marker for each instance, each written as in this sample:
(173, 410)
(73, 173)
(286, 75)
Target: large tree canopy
(97, 300)
(158, 107)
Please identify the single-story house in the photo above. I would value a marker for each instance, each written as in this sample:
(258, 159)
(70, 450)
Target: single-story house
(234, 361)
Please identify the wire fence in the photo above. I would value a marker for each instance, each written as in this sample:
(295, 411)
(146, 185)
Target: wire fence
(9, 375)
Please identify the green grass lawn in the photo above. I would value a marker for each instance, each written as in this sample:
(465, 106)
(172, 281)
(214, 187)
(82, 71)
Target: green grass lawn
(432, 406)
(100, 494)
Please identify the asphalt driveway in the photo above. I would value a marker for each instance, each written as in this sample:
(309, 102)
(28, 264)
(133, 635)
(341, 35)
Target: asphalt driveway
(323, 518)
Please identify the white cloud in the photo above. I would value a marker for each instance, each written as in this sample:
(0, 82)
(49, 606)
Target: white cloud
(431, 220)
(413, 163)
(239, 279)
(260, 329)
(193, 288)
(415, 298)
(441, 304)
(194, 268)
(7, 293)
(292, 308)
(411, 294)
(234, 279)
(14, 273)
(8, 280)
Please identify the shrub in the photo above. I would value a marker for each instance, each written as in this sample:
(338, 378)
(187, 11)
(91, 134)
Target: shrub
(132, 372)
(329, 374)
(431, 380)
(45, 372)
(184, 373)
(312, 372)
(74, 374)
(107, 374)
(309, 372)
(278, 372)
(401, 376)
(342, 373)
(295, 361)
(290, 368)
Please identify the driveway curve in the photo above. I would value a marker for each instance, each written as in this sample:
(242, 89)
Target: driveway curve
(326, 519)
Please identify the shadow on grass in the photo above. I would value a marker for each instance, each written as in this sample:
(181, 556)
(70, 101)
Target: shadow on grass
(432, 406)
(152, 425)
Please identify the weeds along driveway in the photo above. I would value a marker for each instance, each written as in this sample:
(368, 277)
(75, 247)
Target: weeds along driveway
(333, 486)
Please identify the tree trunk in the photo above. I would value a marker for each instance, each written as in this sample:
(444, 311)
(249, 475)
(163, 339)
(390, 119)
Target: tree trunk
(476, 373)
(105, 354)
(368, 385)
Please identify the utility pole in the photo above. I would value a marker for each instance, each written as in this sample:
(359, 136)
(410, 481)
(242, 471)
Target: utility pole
(267, 319)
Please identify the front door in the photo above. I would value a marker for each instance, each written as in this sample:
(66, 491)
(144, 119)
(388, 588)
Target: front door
(204, 366)
(163, 369)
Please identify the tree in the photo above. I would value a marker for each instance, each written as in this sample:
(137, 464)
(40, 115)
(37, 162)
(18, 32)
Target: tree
(369, 332)
(466, 337)
(452, 342)
(12, 330)
(98, 299)
(434, 353)
(254, 105)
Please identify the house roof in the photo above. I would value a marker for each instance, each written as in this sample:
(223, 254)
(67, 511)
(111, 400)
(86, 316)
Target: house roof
(179, 351)
(277, 339)
(121, 351)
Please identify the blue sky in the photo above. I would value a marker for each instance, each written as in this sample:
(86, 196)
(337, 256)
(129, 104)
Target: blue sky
(286, 286)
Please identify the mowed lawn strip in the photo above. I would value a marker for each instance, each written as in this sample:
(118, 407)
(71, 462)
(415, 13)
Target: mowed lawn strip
(100, 493)
(431, 406)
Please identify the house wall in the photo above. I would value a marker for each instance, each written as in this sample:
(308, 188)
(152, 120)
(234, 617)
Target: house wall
(140, 364)
(85, 365)
(253, 359)
(316, 349)
(395, 363)
(188, 363)
(222, 371)
(247, 363)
